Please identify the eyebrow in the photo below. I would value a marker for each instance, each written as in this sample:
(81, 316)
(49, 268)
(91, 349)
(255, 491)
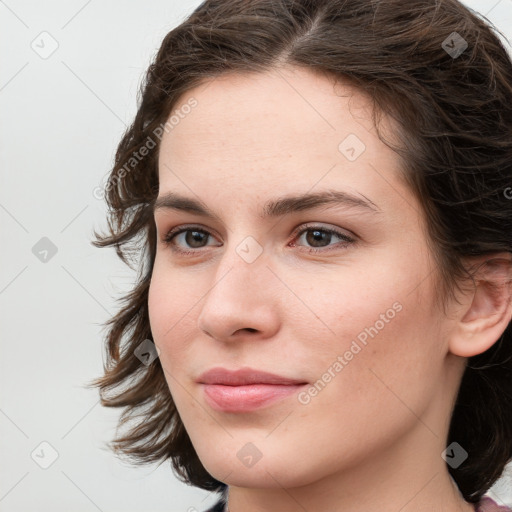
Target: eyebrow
(274, 207)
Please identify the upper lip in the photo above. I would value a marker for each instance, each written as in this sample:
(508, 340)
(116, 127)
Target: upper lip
(244, 376)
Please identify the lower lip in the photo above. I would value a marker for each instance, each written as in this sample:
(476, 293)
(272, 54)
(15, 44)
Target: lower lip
(246, 398)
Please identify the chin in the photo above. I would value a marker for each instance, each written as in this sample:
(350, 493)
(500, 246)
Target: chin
(273, 472)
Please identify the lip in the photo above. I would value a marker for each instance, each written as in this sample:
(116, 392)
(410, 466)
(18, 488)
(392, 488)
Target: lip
(245, 389)
(244, 376)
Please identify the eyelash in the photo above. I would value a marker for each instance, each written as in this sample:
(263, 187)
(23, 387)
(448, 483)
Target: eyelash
(169, 237)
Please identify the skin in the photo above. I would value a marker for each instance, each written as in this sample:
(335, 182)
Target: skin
(372, 438)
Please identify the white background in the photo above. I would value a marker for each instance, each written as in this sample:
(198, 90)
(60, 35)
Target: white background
(61, 120)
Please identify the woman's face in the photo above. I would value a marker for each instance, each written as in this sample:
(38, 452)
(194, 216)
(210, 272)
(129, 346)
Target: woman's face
(335, 294)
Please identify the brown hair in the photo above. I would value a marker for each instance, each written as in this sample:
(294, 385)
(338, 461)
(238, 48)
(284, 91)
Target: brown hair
(453, 106)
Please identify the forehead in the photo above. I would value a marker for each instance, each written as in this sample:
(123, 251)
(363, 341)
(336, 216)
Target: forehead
(290, 108)
(288, 130)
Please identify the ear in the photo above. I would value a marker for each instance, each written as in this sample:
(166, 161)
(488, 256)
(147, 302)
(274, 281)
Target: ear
(486, 310)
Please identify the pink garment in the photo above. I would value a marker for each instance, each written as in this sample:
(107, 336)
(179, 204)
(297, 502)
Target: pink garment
(487, 504)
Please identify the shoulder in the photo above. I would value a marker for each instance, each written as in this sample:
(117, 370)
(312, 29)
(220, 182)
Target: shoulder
(487, 504)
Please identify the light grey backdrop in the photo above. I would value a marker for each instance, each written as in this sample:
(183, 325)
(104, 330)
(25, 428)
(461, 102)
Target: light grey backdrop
(68, 81)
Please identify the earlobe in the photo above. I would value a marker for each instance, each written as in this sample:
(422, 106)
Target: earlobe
(488, 308)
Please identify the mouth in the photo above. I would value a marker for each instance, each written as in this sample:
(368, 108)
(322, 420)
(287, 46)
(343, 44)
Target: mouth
(245, 389)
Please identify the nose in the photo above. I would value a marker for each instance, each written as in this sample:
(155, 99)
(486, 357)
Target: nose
(241, 301)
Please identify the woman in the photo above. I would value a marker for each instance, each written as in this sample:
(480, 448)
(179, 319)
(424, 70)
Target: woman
(320, 191)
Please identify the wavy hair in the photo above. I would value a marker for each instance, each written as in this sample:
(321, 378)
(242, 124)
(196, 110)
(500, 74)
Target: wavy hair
(440, 71)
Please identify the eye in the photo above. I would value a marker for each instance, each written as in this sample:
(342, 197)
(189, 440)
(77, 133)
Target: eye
(192, 236)
(319, 237)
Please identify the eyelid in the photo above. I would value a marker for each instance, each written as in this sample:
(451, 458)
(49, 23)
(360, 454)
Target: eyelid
(172, 233)
(341, 232)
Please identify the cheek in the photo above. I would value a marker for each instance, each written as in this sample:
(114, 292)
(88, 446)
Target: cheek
(170, 309)
(389, 369)
(381, 343)
(387, 381)
(158, 306)
(170, 328)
